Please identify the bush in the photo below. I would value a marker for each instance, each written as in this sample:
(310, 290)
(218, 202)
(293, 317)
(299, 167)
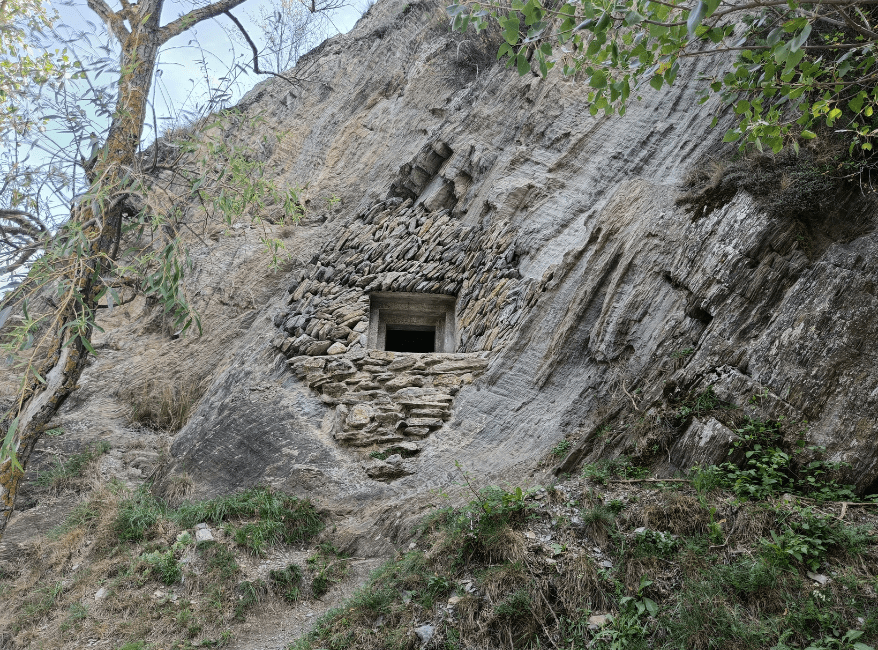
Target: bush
(768, 468)
(165, 565)
(477, 529)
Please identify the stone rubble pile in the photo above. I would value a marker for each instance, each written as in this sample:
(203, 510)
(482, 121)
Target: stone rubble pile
(398, 246)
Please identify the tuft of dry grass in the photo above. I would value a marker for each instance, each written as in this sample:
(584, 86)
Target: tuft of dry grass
(175, 489)
(163, 404)
(581, 588)
(680, 514)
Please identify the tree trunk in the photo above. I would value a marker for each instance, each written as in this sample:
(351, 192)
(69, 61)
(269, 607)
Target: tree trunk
(66, 358)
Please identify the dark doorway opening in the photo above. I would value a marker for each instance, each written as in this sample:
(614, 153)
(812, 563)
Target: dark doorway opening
(422, 339)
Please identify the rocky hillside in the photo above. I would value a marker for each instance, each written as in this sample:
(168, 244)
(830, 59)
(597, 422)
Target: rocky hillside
(620, 287)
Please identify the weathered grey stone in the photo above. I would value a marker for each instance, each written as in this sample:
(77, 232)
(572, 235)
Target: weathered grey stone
(429, 413)
(401, 363)
(703, 443)
(405, 448)
(425, 633)
(417, 432)
(336, 348)
(383, 471)
(317, 348)
(333, 389)
(433, 423)
(447, 382)
(359, 416)
(390, 418)
(413, 403)
(340, 368)
(304, 365)
(403, 381)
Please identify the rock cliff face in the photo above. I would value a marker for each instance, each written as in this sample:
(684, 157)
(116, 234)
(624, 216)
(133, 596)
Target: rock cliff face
(588, 300)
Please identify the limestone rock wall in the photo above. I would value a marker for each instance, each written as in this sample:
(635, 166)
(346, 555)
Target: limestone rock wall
(589, 294)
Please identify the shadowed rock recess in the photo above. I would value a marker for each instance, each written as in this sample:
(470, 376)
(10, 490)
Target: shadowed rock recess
(586, 298)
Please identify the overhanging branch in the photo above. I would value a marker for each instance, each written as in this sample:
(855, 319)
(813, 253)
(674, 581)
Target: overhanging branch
(195, 16)
(255, 51)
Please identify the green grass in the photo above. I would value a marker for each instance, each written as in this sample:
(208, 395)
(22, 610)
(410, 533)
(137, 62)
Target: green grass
(219, 560)
(606, 469)
(137, 515)
(164, 565)
(63, 473)
(278, 518)
(328, 566)
(286, 582)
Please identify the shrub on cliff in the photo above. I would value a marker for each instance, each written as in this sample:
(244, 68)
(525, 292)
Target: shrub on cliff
(796, 65)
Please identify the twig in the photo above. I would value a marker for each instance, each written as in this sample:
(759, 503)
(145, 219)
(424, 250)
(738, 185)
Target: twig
(846, 504)
(649, 480)
(552, 611)
(256, 52)
(633, 403)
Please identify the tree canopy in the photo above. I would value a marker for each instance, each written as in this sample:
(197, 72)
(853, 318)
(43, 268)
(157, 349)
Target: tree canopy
(794, 67)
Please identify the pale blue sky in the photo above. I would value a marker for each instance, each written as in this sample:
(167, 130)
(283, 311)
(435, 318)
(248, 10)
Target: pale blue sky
(207, 47)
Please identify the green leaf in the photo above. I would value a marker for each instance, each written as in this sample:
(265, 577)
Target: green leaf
(651, 606)
(633, 18)
(511, 26)
(6, 450)
(732, 136)
(656, 82)
(774, 36)
(695, 17)
(800, 38)
(522, 65)
(585, 24)
(598, 80)
(782, 53)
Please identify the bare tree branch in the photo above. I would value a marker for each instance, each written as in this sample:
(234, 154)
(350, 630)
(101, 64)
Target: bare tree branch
(111, 18)
(195, 16)
(868, 33)
(255, 51)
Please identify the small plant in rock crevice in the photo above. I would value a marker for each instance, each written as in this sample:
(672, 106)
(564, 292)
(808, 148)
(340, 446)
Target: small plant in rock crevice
(769, 467)
(560, 450)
